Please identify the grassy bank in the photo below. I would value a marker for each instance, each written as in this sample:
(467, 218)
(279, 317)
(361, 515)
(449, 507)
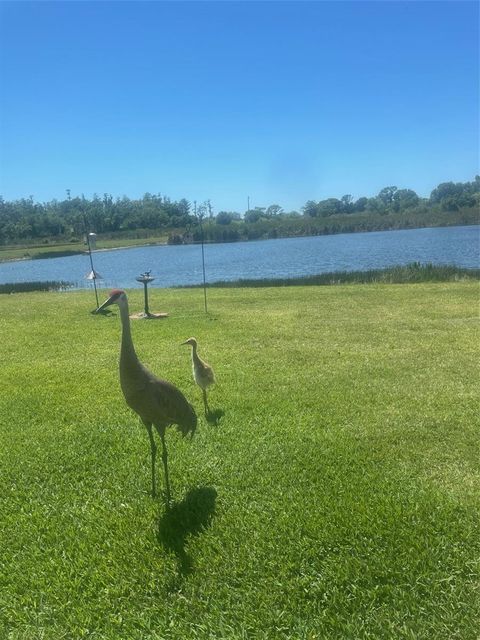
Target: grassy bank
(60, 250)
(35, 252)
(338, 496)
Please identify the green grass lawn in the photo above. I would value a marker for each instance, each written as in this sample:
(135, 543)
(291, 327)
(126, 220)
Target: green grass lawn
(337, 497)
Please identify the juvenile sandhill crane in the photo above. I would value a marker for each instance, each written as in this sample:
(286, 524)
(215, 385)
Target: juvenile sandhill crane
(158, 402)
(202, 372)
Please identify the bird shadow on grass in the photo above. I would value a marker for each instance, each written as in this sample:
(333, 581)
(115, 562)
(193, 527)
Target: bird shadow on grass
(214, 417)
(102, 312)
(190, 517)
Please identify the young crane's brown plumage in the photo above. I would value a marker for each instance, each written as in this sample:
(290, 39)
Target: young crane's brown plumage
(158, 402)
(202, 372)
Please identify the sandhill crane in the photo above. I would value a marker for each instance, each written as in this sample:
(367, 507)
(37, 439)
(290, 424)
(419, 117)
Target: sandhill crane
(202, 372)
(158, 402)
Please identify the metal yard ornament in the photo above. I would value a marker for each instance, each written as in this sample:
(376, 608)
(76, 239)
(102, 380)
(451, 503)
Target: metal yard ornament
(145, 279)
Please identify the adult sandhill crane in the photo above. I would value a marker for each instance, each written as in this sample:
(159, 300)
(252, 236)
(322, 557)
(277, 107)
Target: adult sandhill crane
(158, 402)
(202, 372)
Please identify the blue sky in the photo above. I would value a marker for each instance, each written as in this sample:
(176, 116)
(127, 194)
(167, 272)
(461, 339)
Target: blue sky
(281, 102)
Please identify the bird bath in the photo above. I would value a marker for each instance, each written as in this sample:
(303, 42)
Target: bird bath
(145, 278)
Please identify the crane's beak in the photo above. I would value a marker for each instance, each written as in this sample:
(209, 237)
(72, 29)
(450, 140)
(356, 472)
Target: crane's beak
(107, 303)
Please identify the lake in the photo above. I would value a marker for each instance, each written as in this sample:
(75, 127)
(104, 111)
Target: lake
(282, 258)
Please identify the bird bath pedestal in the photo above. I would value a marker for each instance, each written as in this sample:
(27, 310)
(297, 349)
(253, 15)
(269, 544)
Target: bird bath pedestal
(145, 278)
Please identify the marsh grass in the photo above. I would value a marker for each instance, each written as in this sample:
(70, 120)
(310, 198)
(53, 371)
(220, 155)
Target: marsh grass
(399, 274)
(43, 285)
(336, 497)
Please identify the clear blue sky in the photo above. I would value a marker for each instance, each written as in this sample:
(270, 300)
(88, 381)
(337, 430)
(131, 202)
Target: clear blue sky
(280, 101)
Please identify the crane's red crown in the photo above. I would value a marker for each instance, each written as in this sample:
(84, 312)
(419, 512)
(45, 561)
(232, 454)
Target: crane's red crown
(116, 292)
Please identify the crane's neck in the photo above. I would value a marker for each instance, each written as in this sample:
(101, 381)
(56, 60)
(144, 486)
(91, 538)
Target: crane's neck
(127, 351)
(195, 357)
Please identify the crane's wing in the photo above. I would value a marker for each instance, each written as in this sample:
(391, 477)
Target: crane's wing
(171, 406)
(208, 373)
(157, 401)
(174, 405)
(205, 371)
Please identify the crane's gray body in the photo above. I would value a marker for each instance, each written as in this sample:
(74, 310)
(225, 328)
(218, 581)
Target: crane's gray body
(202, 372)
(156, 401)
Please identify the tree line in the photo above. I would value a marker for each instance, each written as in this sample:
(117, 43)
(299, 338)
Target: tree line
(25, 220)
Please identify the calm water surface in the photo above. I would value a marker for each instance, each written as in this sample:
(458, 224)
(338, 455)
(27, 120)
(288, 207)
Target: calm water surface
(288, 257)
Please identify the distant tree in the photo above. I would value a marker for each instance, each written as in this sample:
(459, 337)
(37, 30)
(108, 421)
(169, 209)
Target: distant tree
(375, 205)
(404, 199)
(444, 191)
(329, 207)
(224, 217)
(452, 196)
(200, 211)
(209, 209)
(273, 210)
(184, 207)
(347, 203)
(310, 209)
(360, 204)
(386, 196)
(253, 215)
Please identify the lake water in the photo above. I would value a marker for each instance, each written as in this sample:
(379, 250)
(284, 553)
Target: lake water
(288, 257)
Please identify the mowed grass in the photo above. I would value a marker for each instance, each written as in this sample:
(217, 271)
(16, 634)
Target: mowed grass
(337, 497)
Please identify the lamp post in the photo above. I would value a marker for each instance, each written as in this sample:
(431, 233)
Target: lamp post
(145, 278)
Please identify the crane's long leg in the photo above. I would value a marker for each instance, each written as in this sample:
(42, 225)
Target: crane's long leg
(165, 466)
(153, 448)
(207, 410)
